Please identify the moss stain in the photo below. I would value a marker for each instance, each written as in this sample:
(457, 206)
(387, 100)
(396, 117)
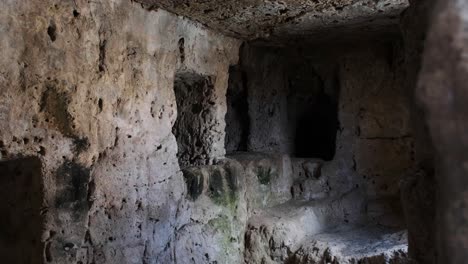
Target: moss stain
(223, 188)
(265, 174)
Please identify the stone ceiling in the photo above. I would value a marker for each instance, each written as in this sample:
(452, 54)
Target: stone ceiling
(270, 19)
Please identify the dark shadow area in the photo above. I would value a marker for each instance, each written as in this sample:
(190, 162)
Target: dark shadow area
(313, 111)
(237, 116)
(316, 130)
(21, 223)
(195, 104)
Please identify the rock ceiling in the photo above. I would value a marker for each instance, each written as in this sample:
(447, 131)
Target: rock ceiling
(270, 19)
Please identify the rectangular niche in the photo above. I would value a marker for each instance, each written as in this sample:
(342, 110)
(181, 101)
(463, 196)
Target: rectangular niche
(21, 224)
(195, 118)
(282, 103)
(313, 112)
(237, 116)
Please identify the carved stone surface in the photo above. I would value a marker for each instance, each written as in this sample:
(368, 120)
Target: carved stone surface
(115, 121)
(251, 19)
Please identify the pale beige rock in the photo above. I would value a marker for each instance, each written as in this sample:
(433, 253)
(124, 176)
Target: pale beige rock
(87, 88)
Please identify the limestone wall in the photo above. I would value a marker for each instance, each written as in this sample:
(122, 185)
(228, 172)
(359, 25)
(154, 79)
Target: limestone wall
(442, 89)
(86, 91)
(106, 107)
(365, 83)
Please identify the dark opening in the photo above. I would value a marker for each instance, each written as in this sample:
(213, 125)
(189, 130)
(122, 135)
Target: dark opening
(52, 31)
(237, 116)
(21, 200)
(313, 109)
(316, 130)
(195, 108)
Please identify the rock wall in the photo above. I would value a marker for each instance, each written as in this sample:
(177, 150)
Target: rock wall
(87, 103)
(375, 138)
(419, 187)
(112, 123)
(442, 89)
(290, 19)
(374, 141)
(266, 85)
(382, 152)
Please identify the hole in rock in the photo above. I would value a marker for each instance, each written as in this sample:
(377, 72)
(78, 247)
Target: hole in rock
(52, 31)
(195, 114)
(21, 222)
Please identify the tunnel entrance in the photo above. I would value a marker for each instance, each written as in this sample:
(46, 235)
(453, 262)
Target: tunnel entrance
(195, 108)
(21, 222)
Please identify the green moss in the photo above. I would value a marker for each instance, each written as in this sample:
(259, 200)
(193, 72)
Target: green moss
(224, 228)
(223, 188)
(217, 189)
(231, 177)
(264, 174)
(220, 224)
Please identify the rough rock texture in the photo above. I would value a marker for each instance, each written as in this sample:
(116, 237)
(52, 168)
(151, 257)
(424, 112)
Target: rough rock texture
(356, 21)
(380, 149)
(115, 122)
(368, 244)
(250, 19)
(268, 130)
(375, 149)
(443, 91)
(215, 231)
(374, 139)
(196, 119)
(242, 211)
(268, 179)
(86, 95)
(419, 188)
(277, 233)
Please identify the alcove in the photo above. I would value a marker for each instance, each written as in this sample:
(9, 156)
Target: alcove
(195, 112)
